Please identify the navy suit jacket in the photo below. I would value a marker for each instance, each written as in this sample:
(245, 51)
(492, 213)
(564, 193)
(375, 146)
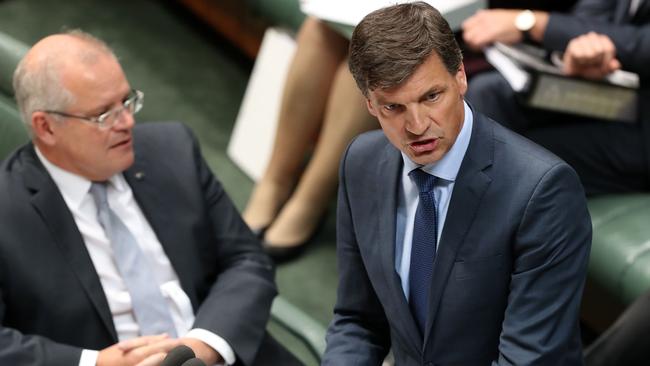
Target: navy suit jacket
(51, 300)
(508, 274)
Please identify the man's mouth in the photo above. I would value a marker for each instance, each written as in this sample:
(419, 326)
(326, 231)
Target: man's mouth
(122, 143)
(423, 146)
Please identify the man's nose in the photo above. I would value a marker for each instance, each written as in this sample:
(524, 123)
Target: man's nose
(416, 122)
(124, 119)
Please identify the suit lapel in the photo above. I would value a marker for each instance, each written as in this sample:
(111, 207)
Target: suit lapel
(48, 202)
(158, 207)
(622, 12)
(390, 165)
(471, 184)
(642, 13)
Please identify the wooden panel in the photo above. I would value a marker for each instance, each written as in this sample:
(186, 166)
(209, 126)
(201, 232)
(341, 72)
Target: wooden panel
(233, 20)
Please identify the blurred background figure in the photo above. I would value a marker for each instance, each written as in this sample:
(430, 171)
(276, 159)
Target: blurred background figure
(597, 37)
(474, 59)
(320, 103)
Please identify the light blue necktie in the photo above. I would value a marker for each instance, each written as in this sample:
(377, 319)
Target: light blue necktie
(423, 247)
(149, 305)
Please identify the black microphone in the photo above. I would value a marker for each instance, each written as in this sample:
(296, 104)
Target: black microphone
(178, 355)
(193, 362)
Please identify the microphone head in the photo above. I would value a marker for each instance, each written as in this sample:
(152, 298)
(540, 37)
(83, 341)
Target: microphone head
(178, 355)
(194, 362)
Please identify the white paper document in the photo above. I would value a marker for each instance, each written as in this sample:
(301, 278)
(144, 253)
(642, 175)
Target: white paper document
(514, 75)
(252, 138)
(350, 12)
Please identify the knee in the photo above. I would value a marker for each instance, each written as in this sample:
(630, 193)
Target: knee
(490, 94)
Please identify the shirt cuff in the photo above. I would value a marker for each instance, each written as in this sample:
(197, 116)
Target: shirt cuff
(88, 358)
(217, 343)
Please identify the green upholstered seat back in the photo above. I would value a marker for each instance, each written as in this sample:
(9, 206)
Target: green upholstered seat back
(12, 131)
(620, 254)
(279, 12)
(11, 51)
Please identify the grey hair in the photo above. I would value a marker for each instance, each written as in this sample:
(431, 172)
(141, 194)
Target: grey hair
(38, 85)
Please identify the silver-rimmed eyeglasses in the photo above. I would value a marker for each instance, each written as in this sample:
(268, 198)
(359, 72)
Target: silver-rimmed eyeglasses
(132, 104)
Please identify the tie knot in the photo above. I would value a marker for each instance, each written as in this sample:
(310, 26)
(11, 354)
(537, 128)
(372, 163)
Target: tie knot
(98, 191)
(423, 180)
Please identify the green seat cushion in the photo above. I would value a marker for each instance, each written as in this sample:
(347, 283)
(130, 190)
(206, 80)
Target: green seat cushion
(12, 131)
(620, 254)
(280, 12)
(11, 51)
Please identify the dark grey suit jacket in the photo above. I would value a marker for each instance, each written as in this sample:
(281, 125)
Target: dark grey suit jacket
(509, 270)
(51, 301)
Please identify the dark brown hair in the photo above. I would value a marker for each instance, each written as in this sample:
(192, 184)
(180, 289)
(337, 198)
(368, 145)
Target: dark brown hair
(390, 43)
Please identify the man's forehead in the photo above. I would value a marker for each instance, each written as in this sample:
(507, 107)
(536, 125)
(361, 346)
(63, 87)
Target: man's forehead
(412, 90)
(431, 75)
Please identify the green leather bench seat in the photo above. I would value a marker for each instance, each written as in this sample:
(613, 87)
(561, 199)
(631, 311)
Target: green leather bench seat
(620, 253)
(12, 131)
(11, 51)
(279, 12)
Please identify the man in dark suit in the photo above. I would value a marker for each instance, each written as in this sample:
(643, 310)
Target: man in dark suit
(459, 242)
(599, 36)
(117, 242)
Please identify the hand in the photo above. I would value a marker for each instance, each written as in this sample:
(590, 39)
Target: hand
(141, 351)
(591, 56)
(489, 26)
(206, 353)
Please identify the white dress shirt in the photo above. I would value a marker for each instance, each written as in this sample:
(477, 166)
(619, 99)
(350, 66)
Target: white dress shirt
(446, 170)
(634, 6)
(75, 192)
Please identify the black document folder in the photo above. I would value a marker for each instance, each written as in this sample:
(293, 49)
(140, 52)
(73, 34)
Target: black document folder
(541, 84)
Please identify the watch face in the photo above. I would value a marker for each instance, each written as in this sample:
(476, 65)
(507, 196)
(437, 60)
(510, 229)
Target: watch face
(525, 20)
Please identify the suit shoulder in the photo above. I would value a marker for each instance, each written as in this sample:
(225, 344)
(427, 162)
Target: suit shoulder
(517, 159)
(163, 136)
(520, 150)
(14, 162)
(367, 144)
(162, 130)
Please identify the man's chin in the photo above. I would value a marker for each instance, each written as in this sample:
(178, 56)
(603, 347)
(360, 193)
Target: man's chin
(124, 162)
(427, 158)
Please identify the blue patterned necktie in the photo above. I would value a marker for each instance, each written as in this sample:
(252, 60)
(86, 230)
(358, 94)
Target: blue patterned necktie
(423, 247)
(149, 305)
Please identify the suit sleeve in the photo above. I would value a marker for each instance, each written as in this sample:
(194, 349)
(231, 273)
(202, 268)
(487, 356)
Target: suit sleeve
(17, 348)
(632, 41)
(359, 331)
(551, 251)
(238, 305)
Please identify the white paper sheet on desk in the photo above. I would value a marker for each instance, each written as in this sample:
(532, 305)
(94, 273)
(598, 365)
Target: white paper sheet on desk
(351, 12)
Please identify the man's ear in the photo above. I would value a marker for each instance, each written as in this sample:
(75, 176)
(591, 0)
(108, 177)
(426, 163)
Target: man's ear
(461, 79)
(41, 125)
(371, 108)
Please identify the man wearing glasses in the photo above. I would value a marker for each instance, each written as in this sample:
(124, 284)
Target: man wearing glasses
(117, 242)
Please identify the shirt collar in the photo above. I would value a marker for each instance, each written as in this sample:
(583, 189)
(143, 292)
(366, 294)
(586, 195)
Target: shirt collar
(74, 187)
(447, 168)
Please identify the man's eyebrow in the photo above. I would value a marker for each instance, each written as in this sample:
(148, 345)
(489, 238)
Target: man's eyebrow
(107, 107)
(383, 101)
(436, 89)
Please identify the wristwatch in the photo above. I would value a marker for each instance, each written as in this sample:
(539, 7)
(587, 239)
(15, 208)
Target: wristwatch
(524, 22)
